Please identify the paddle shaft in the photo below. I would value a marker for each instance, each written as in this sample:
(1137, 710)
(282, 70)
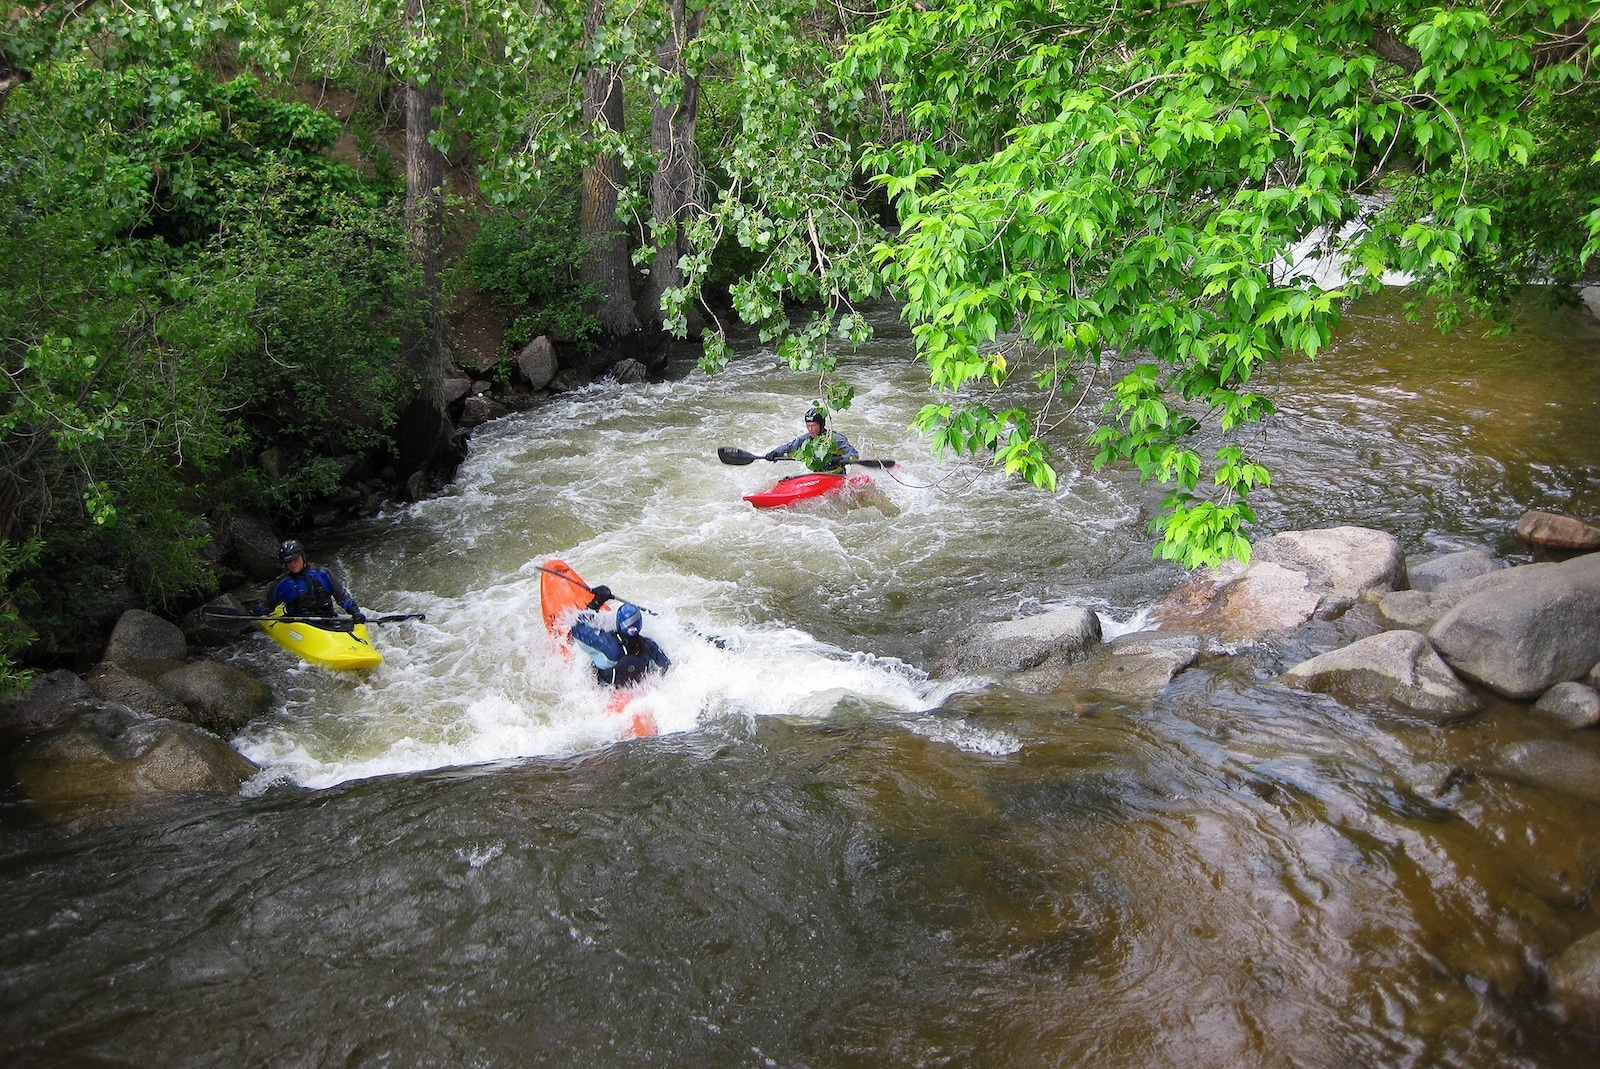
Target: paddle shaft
(741, 457)
(239, 619)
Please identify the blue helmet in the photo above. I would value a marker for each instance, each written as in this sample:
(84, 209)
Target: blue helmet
(630, 621)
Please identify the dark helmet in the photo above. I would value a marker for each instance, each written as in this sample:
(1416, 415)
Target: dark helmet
(290, 550)
(630, 621)
(816, 415)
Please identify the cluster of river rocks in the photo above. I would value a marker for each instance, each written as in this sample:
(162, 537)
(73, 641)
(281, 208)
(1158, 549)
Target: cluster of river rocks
(1429, 639)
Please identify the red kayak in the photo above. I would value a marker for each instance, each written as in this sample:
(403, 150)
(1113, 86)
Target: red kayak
(801, 487)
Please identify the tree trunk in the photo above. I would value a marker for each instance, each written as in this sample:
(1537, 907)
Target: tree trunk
(424, 426)
(673, 191)
(606, 265)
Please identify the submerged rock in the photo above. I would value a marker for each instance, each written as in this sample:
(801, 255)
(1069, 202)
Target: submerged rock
(1400, 667)
(1575, 979)
(109, 758)
(1042, 646)
(1138, 665)
(1552, 764)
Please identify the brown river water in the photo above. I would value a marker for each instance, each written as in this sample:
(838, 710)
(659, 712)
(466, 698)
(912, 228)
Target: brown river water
(828, 857)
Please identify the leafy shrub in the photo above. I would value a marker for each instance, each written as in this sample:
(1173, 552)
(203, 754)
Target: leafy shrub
(534, 263)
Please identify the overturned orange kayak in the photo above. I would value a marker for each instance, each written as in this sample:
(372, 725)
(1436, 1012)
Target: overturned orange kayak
(562, 595)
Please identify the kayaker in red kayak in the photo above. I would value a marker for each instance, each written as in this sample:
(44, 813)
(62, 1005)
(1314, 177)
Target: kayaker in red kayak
(828, 450)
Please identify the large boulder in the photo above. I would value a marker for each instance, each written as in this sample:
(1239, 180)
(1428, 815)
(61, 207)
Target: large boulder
(1040, 646)
(219, 697)
(1574, 977)
(255, 544)
(47, 702)
(1553, 764)
(1532, 628)
(141, 636)
(537, 362)
(1137, 666)
(108, 759)
(1291, 578)
(1398, 667)
(1555, 531)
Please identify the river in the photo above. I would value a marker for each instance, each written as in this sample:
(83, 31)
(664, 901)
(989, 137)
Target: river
(829, 858)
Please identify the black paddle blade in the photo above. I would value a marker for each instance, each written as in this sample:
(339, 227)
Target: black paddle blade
(729, 455)
(227, 618)
(872, 463)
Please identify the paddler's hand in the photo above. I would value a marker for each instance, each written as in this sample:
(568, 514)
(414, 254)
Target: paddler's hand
(602, 594)
(358, 616)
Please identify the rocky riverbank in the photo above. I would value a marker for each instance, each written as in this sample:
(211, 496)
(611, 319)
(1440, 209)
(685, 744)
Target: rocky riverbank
(1424, 639)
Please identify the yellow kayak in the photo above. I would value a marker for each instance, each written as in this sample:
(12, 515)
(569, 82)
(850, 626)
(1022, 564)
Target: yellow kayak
(350, 650)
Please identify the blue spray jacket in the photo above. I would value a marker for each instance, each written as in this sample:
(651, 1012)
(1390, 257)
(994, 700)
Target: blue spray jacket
(619, 660)
(311, 593)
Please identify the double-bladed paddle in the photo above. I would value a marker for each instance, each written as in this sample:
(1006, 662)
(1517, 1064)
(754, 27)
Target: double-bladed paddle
(716, 640)
(227, 618)
(729, 455)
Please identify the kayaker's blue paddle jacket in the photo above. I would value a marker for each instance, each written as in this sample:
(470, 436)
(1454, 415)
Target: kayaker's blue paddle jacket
(619, 660)
(311, 593)
(842, 451)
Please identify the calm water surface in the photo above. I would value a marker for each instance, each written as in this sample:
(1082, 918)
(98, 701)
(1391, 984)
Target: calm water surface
(829, 858)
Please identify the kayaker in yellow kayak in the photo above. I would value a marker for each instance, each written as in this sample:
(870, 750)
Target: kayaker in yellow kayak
(307, 590)
(823, 451)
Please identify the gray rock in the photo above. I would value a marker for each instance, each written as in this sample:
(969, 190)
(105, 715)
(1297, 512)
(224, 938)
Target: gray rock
(453, 390)
(256, 545)
(1467, 564)
(629, 372)
(1399, 667)
(112, 683)
(537, 362)
(1348, 561)
(1574, 977)
(1591, 297)
(1139, 665)
(100, 763)
(1576, 705)
(1416, 609)
(569, 379)
(1553, 764)
(478, 409)
(1013, 646)
(219, 697)
(142, 636)
(1531, 628)
(47, 702)
(1554, 531)
(1291, 579)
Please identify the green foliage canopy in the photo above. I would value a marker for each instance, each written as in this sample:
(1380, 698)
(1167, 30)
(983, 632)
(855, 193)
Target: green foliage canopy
(1099, 188)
